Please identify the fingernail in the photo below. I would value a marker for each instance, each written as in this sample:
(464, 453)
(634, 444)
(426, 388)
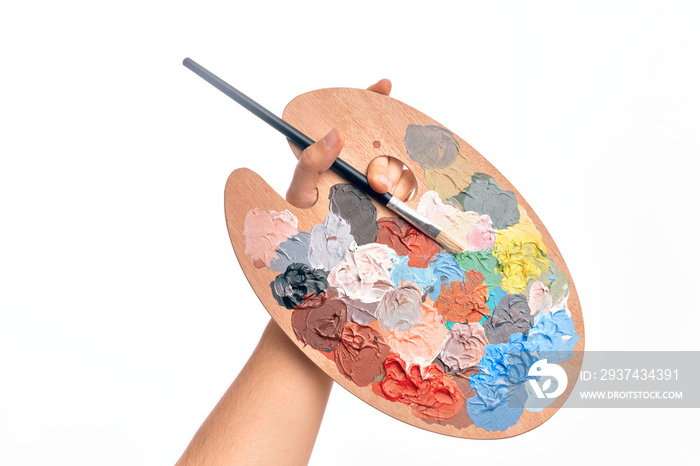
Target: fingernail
(331, 139)
(385, 181)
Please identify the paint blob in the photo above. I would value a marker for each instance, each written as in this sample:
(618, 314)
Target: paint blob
(500, 392)
(520, 252)
(356, 208)
(539, 299)
(330, 242)
(360, 312)
(461, 420)
(319, 322)
(431, 146)
(364, 273)
(450, 181)
(421, 343)
(292, 251)
(427, 390)
(400, 308)
(297, 283)
(432, 207)
(483, 261)
(485, 196)
(464, 301)
(463, 347)
(361, 354)
(554, 336)
(512, 315)
(406, 240)
(264, 230)
(482, 235)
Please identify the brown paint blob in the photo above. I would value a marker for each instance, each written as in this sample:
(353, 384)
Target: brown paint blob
(319, 322)
(361, 353)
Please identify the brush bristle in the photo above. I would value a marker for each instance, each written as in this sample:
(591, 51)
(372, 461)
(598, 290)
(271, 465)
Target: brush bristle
(449, 242)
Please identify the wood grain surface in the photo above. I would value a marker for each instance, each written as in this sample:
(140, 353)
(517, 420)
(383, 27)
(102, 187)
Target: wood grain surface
(366, 117)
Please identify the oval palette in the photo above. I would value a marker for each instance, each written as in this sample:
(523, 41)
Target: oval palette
(445, 342)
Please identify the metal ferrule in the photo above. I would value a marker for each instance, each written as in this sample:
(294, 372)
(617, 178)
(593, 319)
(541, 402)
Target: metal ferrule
(414, 218)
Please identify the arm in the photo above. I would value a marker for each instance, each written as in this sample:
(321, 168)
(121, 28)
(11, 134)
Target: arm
(271, 413)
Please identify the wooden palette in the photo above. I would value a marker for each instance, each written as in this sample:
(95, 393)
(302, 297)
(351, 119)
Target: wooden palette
(369, 120)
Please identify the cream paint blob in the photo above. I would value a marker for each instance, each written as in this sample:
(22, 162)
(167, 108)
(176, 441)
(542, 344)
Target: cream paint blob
(364, 273)
(432, 207)
(463, 223)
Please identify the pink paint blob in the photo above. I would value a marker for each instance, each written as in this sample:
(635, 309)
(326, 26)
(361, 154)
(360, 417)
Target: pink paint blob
(540, 300)
(422, 343)
(482, 235)
(264, 230)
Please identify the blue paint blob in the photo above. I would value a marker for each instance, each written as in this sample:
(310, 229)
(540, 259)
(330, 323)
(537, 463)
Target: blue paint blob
(554, 336)
(442, 271)
(498, 405)
(423, 278)
(500, 384)
(292, 251)
(445, 271)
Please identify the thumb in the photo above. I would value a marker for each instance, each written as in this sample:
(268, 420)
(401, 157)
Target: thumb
(316, 159)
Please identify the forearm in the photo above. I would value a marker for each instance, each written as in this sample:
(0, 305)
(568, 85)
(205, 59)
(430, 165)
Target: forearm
(270, 414)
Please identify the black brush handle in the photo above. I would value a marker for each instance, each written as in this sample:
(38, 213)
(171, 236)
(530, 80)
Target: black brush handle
(340, 166)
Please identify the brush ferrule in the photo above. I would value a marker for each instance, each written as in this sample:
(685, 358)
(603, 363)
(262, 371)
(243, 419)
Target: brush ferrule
(413, 217)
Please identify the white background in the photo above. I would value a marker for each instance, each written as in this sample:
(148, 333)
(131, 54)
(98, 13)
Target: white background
(124, 314)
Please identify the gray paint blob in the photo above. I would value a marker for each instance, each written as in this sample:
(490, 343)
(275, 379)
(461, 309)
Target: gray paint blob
(329, 242)
(359, 312)
(431, 146)
(292, 251)
(356, 208)
(485, 196)
(511, 315)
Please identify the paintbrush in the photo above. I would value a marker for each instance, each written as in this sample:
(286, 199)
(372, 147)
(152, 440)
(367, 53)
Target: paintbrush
(341, 167)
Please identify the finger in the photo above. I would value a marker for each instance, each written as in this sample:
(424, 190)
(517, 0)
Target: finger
(394, 172)
(384, 174)
(405, 185)
(378, 175)
(316, 159)
(383, 86)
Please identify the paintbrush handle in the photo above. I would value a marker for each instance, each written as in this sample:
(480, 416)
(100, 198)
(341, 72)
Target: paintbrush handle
(341, 167)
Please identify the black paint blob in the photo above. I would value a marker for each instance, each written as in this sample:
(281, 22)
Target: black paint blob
(298, 282)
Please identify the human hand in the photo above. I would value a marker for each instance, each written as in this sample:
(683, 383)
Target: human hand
(383, 173)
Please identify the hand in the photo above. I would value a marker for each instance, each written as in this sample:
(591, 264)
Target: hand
(383, 173)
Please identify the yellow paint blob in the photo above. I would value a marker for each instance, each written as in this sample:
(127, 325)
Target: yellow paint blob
(521, 254)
